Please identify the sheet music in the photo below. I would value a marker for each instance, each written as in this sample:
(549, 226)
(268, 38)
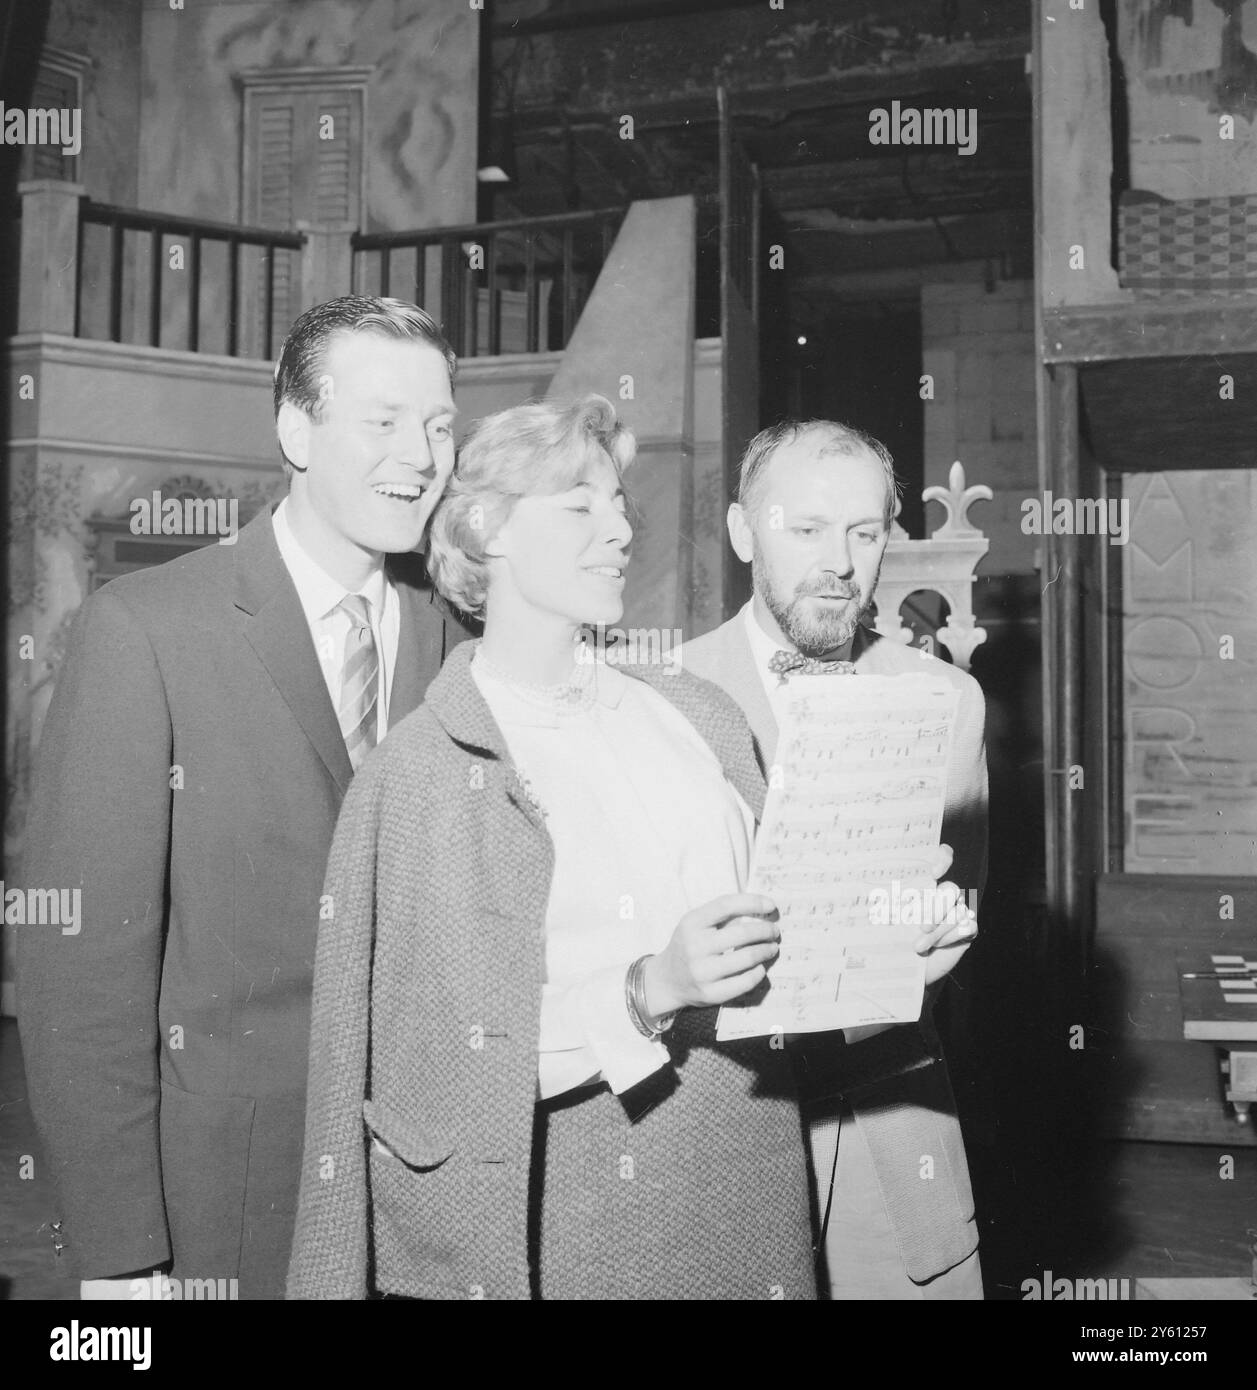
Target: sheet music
(854, 809)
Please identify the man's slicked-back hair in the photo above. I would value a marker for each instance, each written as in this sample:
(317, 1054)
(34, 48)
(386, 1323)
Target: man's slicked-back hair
(300, 366)
(837, 439)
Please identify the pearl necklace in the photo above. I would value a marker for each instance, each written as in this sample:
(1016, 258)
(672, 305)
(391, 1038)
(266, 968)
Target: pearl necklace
(568, 697)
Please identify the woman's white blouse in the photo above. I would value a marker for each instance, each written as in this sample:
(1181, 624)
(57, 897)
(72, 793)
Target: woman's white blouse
(645, 827)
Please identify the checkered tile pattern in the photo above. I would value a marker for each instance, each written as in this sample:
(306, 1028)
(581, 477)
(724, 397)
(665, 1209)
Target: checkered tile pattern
(1196, 244)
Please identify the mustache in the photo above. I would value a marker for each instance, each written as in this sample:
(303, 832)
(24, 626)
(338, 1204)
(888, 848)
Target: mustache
(843, 591)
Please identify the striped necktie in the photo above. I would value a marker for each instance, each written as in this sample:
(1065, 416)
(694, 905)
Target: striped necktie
(360, 680)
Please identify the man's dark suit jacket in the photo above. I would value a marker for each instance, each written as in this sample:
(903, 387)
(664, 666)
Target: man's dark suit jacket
(188, 781)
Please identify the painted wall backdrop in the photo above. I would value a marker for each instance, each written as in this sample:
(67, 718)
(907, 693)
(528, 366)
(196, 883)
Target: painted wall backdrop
(421, 100)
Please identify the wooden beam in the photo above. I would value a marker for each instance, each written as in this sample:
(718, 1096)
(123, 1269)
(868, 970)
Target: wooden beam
(942, 188)
(1167, 413)
(1062, 676)
(991, 78)
(821, 252)
(1196, 327)
(807, 139)
(1074, 148)
(554, 22)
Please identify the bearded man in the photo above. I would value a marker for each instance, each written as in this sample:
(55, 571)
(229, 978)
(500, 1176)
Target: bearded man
(893, 1200)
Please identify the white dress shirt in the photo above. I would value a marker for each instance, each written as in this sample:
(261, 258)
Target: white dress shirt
(645, 827)
(763, 649)
(330, 625)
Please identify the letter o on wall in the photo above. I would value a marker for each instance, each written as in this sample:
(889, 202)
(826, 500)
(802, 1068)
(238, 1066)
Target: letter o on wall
(1162, 653)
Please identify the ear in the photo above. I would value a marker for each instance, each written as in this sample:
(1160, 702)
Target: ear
(293, 427)
(493, 546)
(741, 533)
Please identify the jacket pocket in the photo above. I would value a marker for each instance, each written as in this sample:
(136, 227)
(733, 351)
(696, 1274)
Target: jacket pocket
(403, 1139)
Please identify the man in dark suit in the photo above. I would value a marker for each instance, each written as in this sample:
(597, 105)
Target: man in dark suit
(813, 516)
(205, 726)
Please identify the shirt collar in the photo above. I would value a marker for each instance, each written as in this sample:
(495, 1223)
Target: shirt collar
(763, 647)
(319, 593)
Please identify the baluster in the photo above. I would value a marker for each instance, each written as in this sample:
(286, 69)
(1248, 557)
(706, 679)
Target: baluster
(78, 275)
(532, 316)
(495, 326)
(194, 301)
(452, 266)
(154, 286)
(568, 286)
(233, 289)
(115, 283)
(269, 251)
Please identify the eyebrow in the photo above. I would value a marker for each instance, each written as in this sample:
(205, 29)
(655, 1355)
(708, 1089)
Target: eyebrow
(584, 482)
(396, 406)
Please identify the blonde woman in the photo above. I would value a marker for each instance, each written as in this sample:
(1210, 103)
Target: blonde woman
(534, 904)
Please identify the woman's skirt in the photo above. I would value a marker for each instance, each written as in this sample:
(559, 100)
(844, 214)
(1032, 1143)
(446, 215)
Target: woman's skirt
(691, 1186)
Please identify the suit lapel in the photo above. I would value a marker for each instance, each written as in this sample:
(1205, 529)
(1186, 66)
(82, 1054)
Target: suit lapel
(742, 680)
(877, 655)
(277, 631)
(739, 675)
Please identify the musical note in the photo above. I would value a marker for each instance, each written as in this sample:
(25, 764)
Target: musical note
(854, 811)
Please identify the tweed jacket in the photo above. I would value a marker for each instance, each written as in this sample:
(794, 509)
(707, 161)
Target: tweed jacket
(188, 780)
(896, 1080)
(426, 1022)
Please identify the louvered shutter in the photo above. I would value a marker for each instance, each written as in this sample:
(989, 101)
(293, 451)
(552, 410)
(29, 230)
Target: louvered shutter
(275, 166)
(54, 90)
(296, 175)
(336, 156)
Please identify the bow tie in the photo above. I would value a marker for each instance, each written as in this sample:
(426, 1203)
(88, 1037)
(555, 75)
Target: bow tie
(785, 663)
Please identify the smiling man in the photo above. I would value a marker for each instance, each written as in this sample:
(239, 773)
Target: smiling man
(207, 721)
(813, 515)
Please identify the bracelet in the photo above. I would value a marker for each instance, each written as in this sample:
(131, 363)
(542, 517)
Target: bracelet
(635, 1002)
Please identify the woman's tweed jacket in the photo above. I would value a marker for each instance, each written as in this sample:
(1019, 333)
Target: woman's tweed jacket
(426, 1023)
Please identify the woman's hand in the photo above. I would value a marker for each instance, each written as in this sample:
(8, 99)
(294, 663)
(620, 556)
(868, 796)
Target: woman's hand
(717, 953)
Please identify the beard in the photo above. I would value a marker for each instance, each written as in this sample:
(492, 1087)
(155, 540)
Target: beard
(815, 630)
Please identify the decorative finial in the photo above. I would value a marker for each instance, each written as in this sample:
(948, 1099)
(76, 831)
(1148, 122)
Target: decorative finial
(957, 498)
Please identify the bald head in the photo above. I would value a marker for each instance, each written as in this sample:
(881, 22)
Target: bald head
(812, 519)
(823, 440)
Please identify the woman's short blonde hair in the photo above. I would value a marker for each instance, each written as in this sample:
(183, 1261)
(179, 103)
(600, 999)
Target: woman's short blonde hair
(530, 450)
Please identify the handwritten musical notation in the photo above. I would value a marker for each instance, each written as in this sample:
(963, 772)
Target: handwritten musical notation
(855, 801)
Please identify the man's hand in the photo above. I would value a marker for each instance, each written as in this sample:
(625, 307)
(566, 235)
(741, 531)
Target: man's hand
(952, 927)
